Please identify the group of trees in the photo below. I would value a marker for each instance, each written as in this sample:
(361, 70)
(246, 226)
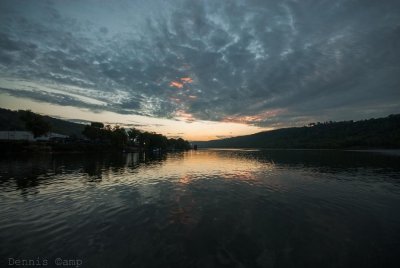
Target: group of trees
(119, 137)
(102, 137)
(35, 123)
(155, 140)
(106, 134)
(149, 140)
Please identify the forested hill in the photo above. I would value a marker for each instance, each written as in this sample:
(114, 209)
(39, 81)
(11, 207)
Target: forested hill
(11, 120)
(371, 133)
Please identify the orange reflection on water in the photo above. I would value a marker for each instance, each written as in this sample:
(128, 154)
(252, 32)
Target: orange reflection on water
(234, 165)
(191, 166)
(185, 179)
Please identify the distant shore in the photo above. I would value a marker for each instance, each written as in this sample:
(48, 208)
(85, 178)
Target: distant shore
(393, 151)
(16, 147)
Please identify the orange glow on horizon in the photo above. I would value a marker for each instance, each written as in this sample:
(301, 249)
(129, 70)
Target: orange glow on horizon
(183, 124)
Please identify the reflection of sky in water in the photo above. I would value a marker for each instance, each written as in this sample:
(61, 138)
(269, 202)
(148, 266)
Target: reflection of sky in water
(209, 207)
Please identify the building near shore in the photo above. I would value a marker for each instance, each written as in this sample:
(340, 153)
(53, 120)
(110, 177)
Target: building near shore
(28, 136)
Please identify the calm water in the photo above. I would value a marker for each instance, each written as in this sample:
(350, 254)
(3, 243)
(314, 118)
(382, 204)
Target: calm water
(206, 208)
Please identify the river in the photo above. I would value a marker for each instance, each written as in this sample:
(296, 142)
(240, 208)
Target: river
(205, 208)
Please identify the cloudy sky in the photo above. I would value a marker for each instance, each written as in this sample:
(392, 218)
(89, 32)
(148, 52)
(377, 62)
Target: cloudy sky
(201, 69)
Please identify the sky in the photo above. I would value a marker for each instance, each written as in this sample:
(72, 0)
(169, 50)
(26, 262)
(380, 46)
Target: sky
(203, 69)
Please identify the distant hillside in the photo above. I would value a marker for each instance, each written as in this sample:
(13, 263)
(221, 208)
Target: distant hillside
(371, 133)
(10, 120)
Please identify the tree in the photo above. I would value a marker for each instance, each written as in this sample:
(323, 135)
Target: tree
(97, 125)
(91, 133)
(96, 131)
(35, 123)
(178, 144)
(134, 134)
(118, 136)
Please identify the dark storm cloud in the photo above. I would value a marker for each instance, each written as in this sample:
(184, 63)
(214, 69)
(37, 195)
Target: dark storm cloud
(270, 63)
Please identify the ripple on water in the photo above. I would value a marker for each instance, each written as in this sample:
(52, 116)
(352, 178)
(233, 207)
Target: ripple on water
(209, 208)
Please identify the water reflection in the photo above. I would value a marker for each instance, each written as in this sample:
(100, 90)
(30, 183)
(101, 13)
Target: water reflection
(206, 208)
(30, 171)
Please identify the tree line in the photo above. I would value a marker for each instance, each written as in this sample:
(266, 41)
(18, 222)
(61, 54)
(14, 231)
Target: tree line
(104, 135)
(119, 137)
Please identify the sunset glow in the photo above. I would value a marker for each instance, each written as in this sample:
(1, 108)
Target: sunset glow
(200, 133)
(248, 119)
(183, 126)
(176, 84)
(231, 67)
(186, 80)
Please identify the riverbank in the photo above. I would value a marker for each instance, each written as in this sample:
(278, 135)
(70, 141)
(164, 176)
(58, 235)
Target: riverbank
(15, 147)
